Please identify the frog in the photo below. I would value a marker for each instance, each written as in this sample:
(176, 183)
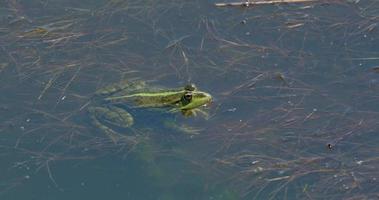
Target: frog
(110, 110)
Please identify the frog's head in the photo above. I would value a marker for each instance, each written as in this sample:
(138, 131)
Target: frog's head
(193, 98)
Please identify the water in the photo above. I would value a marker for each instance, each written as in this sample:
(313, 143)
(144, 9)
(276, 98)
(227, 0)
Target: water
(295, 111)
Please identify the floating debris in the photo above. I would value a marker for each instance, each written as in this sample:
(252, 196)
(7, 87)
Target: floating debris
(375, 69)
(253, 3)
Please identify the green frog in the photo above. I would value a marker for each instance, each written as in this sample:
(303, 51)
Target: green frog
(113, 103)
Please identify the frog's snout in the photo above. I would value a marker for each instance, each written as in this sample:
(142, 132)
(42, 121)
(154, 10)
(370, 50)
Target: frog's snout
(207, 99)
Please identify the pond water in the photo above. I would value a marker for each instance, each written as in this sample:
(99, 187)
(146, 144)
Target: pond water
(295, 110)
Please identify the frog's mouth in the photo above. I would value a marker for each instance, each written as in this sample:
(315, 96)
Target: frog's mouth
(208, 104)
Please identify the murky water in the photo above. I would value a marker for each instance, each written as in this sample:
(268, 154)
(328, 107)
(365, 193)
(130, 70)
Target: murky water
(295, 111)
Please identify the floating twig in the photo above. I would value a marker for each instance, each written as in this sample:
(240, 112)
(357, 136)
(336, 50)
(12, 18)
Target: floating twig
(253, 3)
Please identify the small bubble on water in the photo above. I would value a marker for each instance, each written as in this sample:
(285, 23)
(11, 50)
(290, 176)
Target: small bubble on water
(232, 109)
(258, 169)
(255, 162)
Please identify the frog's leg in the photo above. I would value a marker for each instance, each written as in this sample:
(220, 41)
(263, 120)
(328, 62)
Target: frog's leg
(194, 112)
(183, 128)
(204, 113)
(101, 116)
(123, 86)
(115, 137)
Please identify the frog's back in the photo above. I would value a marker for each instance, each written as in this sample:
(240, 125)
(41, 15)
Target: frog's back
(122, 88)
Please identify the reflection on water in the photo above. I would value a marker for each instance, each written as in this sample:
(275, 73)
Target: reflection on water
(294, 114)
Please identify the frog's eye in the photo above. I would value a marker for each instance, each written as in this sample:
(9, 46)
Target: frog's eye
(188, 96)
(190, 87)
